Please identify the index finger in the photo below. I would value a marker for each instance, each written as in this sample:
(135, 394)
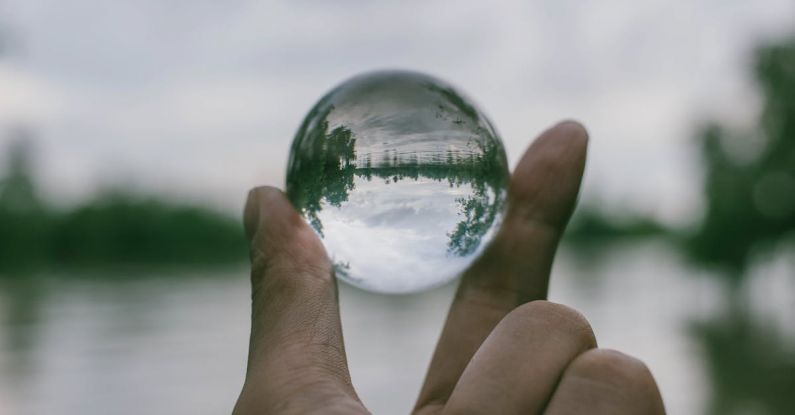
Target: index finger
(296, 350)
(514, 268)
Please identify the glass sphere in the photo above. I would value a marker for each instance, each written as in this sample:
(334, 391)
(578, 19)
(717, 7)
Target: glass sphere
(402, 178)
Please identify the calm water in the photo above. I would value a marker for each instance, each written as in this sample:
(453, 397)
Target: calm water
(173, 344)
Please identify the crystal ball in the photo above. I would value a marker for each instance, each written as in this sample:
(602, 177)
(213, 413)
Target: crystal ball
(402, 178)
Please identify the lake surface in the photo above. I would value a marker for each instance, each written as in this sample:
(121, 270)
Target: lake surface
(174, 343)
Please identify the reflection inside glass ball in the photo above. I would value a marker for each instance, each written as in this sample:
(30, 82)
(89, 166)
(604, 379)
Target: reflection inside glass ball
(402, 178)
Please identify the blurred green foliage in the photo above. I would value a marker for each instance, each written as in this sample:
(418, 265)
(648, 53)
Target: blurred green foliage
(750, 175)
(750, 209)
(591, 226)
(114, 228)
(751, 365)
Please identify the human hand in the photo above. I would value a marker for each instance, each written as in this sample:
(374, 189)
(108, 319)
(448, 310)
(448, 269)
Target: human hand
(503, 349)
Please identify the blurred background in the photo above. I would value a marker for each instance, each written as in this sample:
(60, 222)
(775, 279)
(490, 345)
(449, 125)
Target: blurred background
(130, 132)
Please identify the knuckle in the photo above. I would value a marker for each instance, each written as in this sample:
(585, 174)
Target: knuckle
(259, 262)
(555, 320)
(294, 249)
(287, 271)
(611, 366)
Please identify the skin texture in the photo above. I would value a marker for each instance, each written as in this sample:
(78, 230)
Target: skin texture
(504, 348)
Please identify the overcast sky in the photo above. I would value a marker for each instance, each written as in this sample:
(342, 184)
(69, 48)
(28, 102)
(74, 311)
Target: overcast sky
(201, 98)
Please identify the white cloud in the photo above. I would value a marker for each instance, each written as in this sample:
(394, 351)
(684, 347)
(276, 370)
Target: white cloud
(203, 98)
(26, 97)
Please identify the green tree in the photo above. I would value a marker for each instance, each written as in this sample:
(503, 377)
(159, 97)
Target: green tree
(321, 167)
(750, 207)
(110, 229)
(25, 226)
(17, 190)
(750, 201)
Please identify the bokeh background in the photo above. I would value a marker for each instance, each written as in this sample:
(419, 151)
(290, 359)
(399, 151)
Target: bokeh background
(130, 132)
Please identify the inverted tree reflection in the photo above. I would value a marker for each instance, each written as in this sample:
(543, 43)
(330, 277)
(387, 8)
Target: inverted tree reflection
(325, 164)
